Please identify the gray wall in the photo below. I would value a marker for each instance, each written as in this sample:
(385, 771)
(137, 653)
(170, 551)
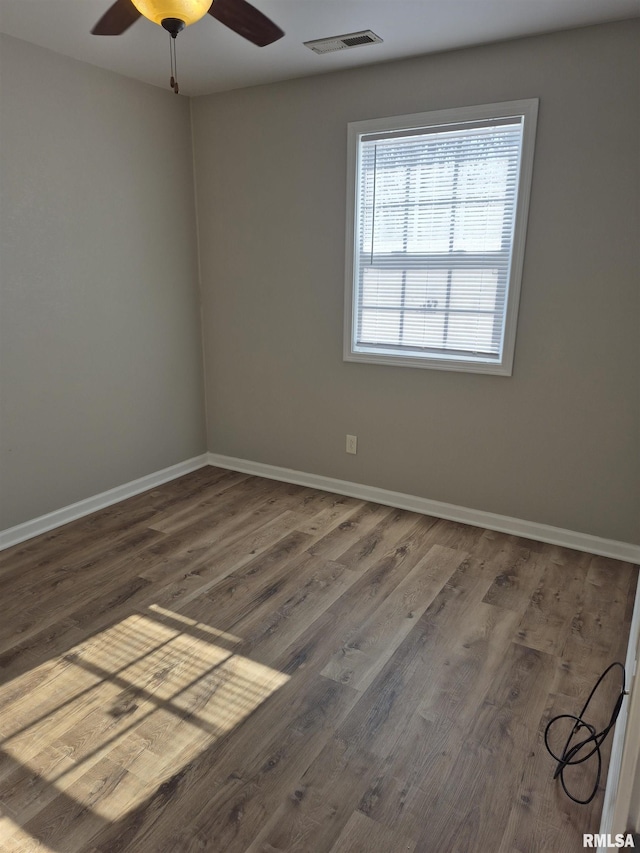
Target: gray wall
(101, 377)
(555, 443)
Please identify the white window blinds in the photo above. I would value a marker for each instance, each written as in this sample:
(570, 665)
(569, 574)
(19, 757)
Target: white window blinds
(435, 214)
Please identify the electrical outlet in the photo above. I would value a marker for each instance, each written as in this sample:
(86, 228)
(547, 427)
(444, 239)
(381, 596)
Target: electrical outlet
(352, 444)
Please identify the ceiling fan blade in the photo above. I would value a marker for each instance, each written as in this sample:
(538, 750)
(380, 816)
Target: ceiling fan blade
(246, 20)
(116, 19)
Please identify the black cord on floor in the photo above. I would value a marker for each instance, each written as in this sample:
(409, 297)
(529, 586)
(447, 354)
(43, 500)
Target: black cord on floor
(583, 749)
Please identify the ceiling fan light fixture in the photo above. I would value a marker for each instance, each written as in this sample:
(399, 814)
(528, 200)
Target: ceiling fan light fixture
(188, 11)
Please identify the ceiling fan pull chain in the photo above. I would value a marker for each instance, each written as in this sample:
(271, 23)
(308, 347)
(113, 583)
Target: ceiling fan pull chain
(176, 88)
(173, 82)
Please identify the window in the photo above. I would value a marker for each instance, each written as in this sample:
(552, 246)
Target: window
(436, 227)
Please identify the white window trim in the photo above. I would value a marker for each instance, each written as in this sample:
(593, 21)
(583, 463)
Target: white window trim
(529, 110)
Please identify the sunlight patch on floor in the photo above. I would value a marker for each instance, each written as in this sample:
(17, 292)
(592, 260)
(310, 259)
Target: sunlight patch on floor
(104, 725)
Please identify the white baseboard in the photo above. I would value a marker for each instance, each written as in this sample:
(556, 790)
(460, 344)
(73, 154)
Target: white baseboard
(503, 523)
(21, 532)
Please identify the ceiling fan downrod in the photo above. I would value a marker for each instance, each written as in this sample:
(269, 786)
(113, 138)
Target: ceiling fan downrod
(173, 26)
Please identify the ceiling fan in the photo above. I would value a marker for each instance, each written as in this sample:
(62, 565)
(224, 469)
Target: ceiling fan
(175, 15)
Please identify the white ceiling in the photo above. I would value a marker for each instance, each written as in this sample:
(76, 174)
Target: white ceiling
(211, 58)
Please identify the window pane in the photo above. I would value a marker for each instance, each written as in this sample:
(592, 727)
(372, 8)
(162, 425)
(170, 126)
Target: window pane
(380, 327)
(426, 289)
(423, 330)
(474, 290)
(434, 178)
(389, 206)
(483, 178)
(471, 332)
(479, 227)
(381, 287)
(429, 227)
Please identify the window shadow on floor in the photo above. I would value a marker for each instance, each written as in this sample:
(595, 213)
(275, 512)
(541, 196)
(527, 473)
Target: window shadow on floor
(94, 738)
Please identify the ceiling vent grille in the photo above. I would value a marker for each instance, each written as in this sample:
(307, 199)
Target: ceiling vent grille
(330, 45)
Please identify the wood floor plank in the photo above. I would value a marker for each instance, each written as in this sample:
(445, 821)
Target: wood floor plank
(394, 797)
(238, 490)
(396, 693)
(592, 635)
(493, 755)
(512, 708)
(250, 584)
(362, 835)
(518, 573)
(375, 642)
(58, 548)
(316, 811)
(25, 791)
(229, 791)
(38, 612)
(542, 817)
(236, 665)
(547, 620)
(464, 667)
(375, 542)
(70, 820)
(314, 647)
(272, 628)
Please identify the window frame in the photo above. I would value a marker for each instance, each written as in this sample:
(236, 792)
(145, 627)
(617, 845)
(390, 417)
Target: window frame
(528, 110)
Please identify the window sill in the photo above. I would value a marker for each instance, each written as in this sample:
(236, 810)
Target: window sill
(460, 365)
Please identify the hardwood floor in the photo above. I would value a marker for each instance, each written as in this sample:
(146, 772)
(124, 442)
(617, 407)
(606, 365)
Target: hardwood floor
(233, 664)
